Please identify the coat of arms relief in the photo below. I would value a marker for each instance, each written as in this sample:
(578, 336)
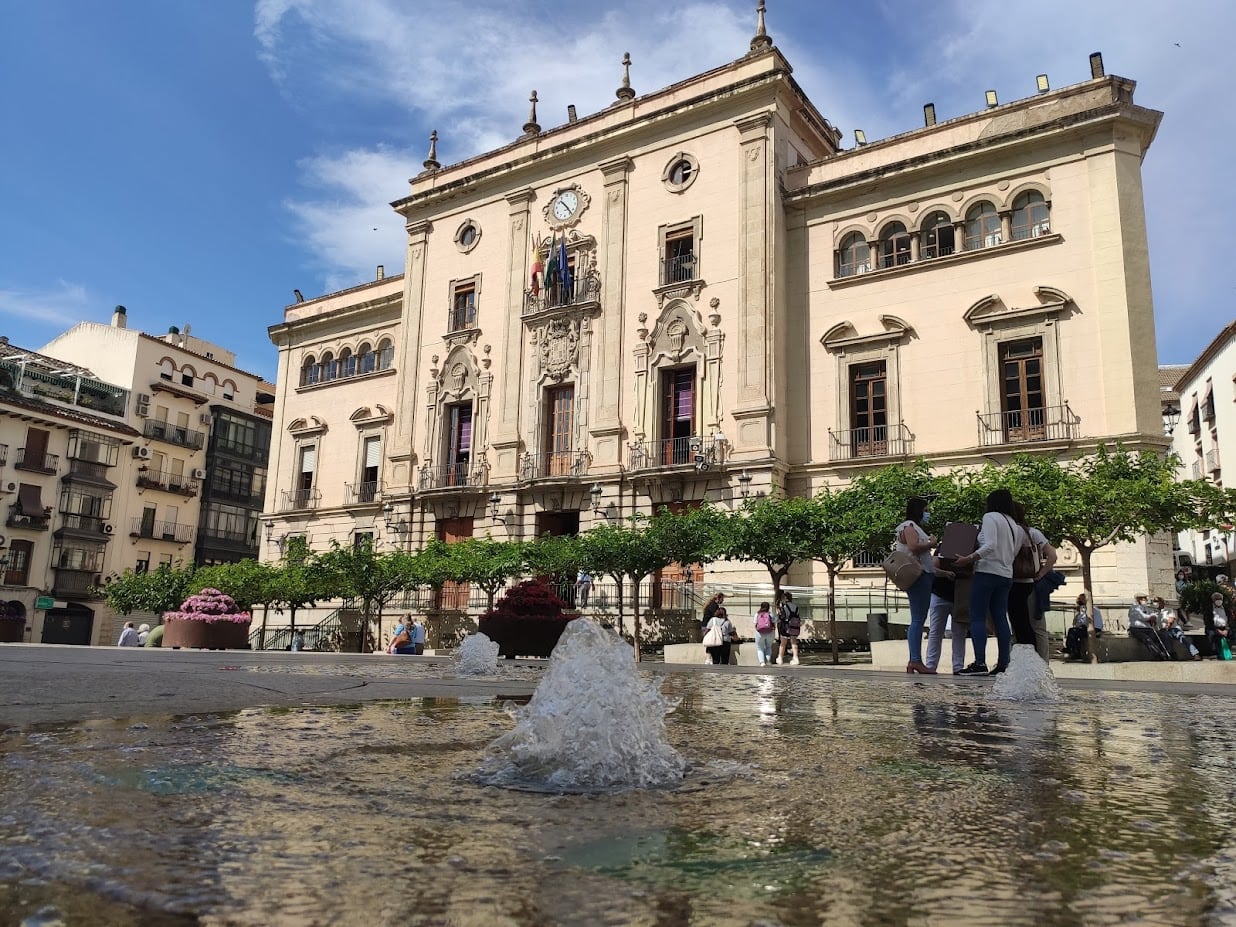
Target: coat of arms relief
(557, 344)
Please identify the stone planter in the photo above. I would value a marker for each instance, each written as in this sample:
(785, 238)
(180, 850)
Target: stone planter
(524, 637)
(206, 635)
(12, 632)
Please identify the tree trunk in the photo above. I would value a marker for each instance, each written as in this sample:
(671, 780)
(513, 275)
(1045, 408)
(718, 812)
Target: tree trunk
(262, 632)
(832, 611)
(635, 617)
(1092, 644)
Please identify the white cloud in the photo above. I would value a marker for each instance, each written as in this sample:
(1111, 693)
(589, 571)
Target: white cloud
(58, 307)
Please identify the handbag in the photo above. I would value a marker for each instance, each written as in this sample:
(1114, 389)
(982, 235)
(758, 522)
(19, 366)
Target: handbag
(902, 568)
(1026, 560)
(714, 637)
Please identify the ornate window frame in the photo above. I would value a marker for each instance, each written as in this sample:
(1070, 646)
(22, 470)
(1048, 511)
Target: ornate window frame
(850, 348)
(461, 232)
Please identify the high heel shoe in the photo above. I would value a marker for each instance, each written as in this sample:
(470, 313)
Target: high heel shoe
(919, 667)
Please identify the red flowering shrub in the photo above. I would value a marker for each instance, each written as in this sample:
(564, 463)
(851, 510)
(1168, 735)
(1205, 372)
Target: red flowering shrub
(527, 621)
(532, 598)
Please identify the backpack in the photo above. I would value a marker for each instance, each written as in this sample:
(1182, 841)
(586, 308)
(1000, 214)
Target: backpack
(763, 622)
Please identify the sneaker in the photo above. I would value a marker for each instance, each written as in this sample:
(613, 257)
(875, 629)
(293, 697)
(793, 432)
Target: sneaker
(1000, 668)
(763, 662)
(794, 662)
(974, 669)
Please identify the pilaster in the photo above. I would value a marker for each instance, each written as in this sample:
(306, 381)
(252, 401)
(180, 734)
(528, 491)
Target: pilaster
(606, 380)
(401, 455)
(754, 326)
(506, 435)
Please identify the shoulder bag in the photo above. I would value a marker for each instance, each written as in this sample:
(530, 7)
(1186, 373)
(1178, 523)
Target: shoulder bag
(1026, 562)
(713, 637)
(902, 569)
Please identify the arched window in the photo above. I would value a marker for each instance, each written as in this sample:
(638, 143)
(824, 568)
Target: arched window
(1030, 218)
(894, 245)
(347, 363)
(166, 369)
(854, 255)
(365, 358)
(386, 354)
(330, 367)
(309, 371)
(982, 227)
(938, 236)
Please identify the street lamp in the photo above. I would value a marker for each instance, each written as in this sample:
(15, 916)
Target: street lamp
(744, 483)
(1171, 418)
(595, 494)
(494, 501)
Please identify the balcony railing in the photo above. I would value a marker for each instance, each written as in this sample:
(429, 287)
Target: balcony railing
(362, 493)
(300, 499)
(1046, 423)
(74, 582)
(18, 519)
(36, 462)
(696, 451)
(462, 474)
(563, 465)
(161, 531)
(89, 471)
(234, 494)
(1197, 470)
(679, 269)
(167, 481)
(173, 434)
(876, 441)
(585, 288)
(228, 540)
(85, 524)
(1212, 460)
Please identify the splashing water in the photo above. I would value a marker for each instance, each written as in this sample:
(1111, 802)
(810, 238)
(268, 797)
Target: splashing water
(593, 724)
(478, 656)
(1028, 678)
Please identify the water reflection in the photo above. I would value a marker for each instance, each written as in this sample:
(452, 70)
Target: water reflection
(810, 801)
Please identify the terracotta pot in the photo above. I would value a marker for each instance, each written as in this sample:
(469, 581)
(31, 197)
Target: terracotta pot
(12, 632)
(524, 637)
(207, 635)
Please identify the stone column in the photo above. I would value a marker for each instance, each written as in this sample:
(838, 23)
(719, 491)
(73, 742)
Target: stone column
(401, 455)
(755, 327)
(506, 437)
(605, 382)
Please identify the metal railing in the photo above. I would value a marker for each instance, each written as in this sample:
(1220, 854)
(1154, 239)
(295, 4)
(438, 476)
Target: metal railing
(18, 519)
(89, 470)
(75, 582)
(877, 441)
(89, 524)
(36, 462)
(696, 451)
(173, 434)
(550, 465)
(300, 499)
(161, 531)
(167, 481)
(1212, 460)
(1023, 426)
(461, 474)
(362, 493)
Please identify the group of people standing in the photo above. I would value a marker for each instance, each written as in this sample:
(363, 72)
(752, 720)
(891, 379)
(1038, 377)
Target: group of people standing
(784, 627)
(1005, 579)
(408, 637)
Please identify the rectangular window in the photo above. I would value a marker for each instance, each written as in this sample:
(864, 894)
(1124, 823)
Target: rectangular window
(371, 466)
(17, 571)
(1021, 366)
(459, 443)
(678, 260)
(677, 415)
(559, 430)
(869, 409)
(463, 307)
(148, 522)
(308, 461)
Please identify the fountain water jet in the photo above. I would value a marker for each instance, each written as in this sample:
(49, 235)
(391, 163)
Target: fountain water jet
(593, 724)
(1028, 678)
(478, 656)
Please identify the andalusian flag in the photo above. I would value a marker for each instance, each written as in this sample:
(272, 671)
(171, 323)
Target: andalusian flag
(553, 271)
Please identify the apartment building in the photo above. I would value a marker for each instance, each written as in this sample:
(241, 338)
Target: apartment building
(702, 293)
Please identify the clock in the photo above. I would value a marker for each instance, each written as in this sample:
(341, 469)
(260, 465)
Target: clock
(566, 205)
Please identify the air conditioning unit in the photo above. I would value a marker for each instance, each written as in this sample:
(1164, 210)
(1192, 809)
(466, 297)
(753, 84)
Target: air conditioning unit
(144, 398)
(142, 409)
(206, 418)
(199, 474)
(108, 529)
(3, 540)
(10, 487)
(141, 452)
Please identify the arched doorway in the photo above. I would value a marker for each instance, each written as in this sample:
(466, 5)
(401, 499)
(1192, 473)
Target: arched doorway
(72, 624)
(12, 621)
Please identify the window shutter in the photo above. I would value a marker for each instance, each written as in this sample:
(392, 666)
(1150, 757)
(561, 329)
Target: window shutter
(373, 452)
(308, 459)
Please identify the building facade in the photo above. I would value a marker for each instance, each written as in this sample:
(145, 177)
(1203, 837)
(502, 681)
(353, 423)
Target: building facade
(699, 294)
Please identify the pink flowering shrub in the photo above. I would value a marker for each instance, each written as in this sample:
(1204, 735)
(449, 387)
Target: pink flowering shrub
(209, 605)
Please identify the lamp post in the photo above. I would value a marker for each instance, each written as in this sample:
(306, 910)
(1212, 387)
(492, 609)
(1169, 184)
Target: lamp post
(744, 483)
(595, 494)
(494, 501)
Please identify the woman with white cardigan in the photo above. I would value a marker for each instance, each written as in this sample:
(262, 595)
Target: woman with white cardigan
(999, 539)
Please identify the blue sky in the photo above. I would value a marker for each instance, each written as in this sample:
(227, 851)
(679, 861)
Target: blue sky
(196, 161)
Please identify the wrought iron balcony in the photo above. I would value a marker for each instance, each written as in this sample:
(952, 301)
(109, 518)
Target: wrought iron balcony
(564, 465)
(300, 499)
(364, 493)
(36, 462)
(4, 454)
(167, 481)
(878, 441)
(173, 434)
(161, 531)
(73, 582)
(1025, 426)
(19, 519)
(679, 269)
(695, 451)
(462, 474)
(585, 289)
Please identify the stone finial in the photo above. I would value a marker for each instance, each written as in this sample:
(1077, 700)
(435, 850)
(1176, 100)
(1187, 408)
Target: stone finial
(431, 163)
(625, 93)
(761, 40)
(532, 127)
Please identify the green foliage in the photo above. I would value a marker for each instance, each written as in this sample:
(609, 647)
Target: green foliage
(553, 555)
(1195, 598)
(430, 566)
(775, 531)
(248, 582)
(487, 563)
(160, 590)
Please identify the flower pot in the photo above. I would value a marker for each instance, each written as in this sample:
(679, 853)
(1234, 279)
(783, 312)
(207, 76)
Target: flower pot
(12, 632)
(207, 635)
(524, 637)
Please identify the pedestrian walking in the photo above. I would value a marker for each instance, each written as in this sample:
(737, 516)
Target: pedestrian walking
(789, 627)
(765, 634)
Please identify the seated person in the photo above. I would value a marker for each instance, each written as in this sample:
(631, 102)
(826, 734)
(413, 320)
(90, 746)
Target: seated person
(1169, 627)
(1075, 639)
(1142, 621)
(402, 641)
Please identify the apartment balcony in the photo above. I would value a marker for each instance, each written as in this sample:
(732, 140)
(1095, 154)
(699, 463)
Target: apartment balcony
(90, 472)
(1212, 460)
(173, 434)
(1028, 426)
(364, 493)
(1197, 470)
(84, 527)
(300, 500)
(166, 481)
(584, 292)
(865, 443)
(4, 454)
(566, 466)
(35, 462)
(162, 531)
(237, 542)
(697, 451)
(234, 495)
(25, 522)
(74, 583)
(679, 268)
(461, 475)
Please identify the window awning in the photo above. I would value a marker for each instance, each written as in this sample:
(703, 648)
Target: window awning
(1208, 402)
(30, 501)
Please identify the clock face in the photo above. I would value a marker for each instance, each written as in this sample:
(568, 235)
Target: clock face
(565, 204)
